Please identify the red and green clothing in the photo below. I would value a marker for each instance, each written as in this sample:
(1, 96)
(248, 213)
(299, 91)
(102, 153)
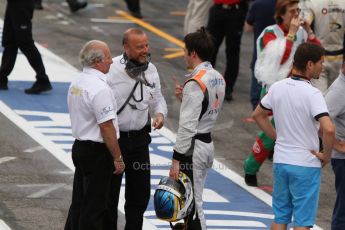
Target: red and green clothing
(263, 144)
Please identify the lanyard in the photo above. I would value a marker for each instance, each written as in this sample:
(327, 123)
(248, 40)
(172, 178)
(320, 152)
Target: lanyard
(300, 78)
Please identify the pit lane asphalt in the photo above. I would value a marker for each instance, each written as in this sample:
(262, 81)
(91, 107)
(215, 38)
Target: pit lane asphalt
(64, 34)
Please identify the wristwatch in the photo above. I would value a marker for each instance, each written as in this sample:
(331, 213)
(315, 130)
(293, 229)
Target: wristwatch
(119, 159)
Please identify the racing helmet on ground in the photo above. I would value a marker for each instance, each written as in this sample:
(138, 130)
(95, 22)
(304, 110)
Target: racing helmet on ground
(173, 200)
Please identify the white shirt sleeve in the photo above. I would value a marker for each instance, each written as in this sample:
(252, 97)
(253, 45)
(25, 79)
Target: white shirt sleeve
(266, 101)
(318, 105)
(335, 102)
(103, 106)
(157, 102)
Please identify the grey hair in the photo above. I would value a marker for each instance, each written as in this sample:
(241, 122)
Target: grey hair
(91, 53)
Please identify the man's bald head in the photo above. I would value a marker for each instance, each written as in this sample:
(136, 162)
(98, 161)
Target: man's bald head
(128, 33)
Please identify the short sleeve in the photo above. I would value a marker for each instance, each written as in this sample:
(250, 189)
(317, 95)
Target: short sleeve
(335, 102)
(318, 105)
(103, 106)
(266, 101)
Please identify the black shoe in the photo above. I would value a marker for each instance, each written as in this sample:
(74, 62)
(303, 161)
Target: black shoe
(136, 14)
(251, 180)
(75, 6)
(228, 96)
(3, 85)
(39, 87)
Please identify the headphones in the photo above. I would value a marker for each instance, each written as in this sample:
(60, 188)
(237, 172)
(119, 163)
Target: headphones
(134, 68)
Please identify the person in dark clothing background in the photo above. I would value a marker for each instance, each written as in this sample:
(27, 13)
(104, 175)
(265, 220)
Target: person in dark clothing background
(74, 5)
(134, 8)
(260, 15)
(226, 19)
(17, 33)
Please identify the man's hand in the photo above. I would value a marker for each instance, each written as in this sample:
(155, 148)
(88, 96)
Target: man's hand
(175, 169)
(324, 158)
(158, 121)
(339, 146)
(178, 89)
(119, 167)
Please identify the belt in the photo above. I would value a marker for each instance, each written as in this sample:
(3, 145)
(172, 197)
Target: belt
(229, 6)
(204, 137)
(334, 53)
(135, 133)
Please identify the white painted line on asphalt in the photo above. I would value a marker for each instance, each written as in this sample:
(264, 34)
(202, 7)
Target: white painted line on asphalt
(60, 138)
(45, 191)
(38, 124)
(66, 172)
(34, 149)
(55, 130)
(227, 223)
(57, 119)
(38, 137)
(236, 213)
(66, 146)
(31, 185)
(6, 159)
(159, 172)
(210, 195)
(3, 225)
(105, 20)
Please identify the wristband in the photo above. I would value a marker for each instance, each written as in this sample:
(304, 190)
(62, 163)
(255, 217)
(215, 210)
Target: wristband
(290, 37)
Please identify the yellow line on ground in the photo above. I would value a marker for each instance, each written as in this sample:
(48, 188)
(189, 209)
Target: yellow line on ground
(178, 13)
(151, 28)
(174, 55)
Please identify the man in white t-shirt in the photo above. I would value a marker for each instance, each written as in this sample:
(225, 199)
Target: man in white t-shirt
(299, 110)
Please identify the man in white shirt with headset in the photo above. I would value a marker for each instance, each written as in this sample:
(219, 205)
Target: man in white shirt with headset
(136, 85)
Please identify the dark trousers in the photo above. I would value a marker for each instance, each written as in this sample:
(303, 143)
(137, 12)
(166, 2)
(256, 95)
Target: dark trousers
(90, 208)
(186, 166)
(68, 1)
(255, 91)
(135, 152)
(338, 218)
(17, 34)
(133, 5)
(227, 23)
